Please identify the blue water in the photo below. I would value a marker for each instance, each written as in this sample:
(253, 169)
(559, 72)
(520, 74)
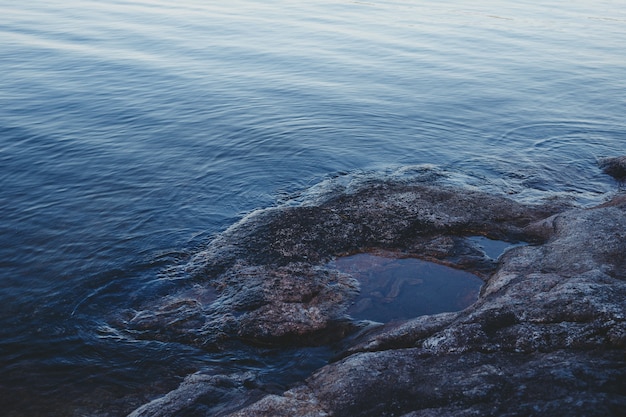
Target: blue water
(133, 131)
(403, 288)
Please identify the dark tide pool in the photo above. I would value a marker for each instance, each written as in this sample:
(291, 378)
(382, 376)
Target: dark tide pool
(394, 288)
(133, 131)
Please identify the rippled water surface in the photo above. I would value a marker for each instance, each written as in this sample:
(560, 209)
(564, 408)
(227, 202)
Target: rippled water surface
(133, 131)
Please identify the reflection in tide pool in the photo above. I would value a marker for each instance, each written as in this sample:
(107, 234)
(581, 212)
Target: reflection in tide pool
(402, 288)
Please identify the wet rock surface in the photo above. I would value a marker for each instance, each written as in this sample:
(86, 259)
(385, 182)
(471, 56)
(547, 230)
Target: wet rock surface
(547, 335)
(409, 382)
(223, 393)
(265, 279)
(614, 166)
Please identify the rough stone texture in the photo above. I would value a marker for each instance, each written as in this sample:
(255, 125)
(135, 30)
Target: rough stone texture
(224, 392)
(264, 280)
(546, 337)
(394, 382)
(614, 166)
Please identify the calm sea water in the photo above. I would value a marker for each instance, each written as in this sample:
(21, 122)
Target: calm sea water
(133, 131)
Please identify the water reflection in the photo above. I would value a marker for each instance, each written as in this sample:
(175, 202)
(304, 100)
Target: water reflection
(402, 288)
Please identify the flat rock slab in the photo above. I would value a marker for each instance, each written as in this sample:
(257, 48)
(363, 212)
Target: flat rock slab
(547, 335)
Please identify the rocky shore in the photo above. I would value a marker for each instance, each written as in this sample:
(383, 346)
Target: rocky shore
(547, 335)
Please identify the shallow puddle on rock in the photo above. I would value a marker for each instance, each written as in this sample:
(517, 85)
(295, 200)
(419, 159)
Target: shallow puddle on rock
(402, 288)
(493, 248)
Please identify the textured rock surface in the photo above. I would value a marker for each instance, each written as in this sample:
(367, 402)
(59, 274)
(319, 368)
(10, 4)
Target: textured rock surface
(615, 167)
(547, 335)
(264, 279)
(410, 382)
(226, 392)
